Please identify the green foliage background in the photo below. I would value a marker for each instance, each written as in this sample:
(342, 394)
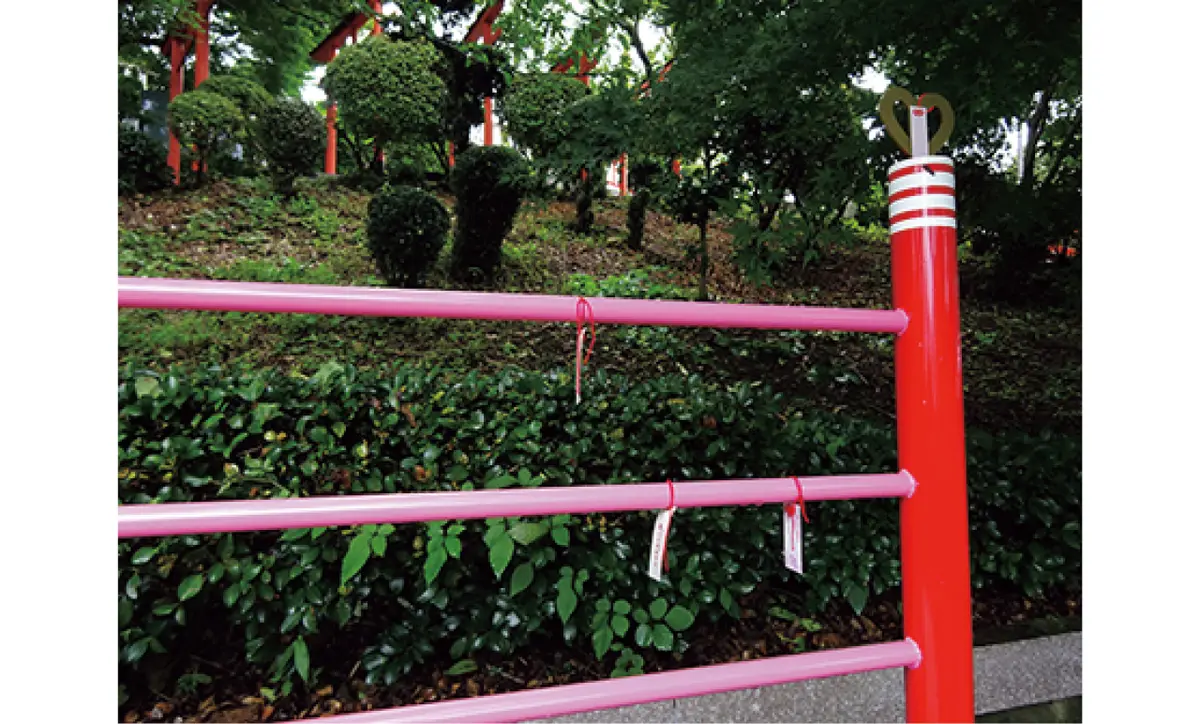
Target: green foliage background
(419, 593)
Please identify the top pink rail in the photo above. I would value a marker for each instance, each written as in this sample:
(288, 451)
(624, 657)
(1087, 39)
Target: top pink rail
(221, 296)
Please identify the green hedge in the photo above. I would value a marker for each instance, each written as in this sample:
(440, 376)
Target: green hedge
(418, 593)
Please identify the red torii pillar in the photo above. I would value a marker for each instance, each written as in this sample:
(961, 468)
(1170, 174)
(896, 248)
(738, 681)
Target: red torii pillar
(325, 52)
(331, 135)
(200, 74)
(204, 10)
(176, 48)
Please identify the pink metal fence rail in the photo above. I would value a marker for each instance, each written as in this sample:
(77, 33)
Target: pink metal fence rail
(931, 483)
(375, 302)
(156, 519)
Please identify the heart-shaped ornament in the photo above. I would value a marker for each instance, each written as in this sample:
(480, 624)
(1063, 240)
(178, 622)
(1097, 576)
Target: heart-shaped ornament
(931, 101)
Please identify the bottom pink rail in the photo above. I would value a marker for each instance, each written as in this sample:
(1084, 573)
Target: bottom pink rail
(596, 695)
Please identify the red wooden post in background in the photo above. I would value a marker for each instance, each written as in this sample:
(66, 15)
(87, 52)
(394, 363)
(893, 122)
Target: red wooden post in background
(200, 72)
(487, 122)
(934, 559)
(330, 137)
(204, 10)
(176, 49)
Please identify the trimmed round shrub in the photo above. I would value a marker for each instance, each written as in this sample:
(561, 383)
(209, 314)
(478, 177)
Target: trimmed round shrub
(141, 163)
(252, 100)
(292, 137)
(207, 121)
(406, 230)
(488, 183)
(534, 109)
(250, 97)
(388, 90)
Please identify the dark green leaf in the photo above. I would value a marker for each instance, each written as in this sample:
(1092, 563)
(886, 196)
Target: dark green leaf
(500, 553)
(300, 655)
(521, 578)
(190, 587)
(566, 601)
(602, 641)
(620, 625)
(664, 640)
(356, 556)
(643, 635)
(679, 618)
(465, 666)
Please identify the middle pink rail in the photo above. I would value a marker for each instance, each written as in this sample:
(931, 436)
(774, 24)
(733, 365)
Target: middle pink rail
(159, 519)
(222, 296)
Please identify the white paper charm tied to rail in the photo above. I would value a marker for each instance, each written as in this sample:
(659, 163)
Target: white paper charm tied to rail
(658, 543)
(793, 531)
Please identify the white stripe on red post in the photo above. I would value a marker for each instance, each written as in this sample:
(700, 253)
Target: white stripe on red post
(925, 201)
(921, 194)
(915, 181)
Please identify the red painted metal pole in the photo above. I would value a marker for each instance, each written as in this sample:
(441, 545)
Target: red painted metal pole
(624, 174)
(936, 580)
(331, 138)
(174, 88)
(487, 121)
(203, 9)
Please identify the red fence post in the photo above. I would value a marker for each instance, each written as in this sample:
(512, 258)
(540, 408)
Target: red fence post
(935, 562)
(331, 138)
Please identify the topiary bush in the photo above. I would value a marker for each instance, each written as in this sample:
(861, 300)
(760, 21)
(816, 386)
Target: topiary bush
(251, 98)
(406, 230)
(398, 597)
(209, 122)
(388, 91)
(534, 108)
(141, 163)
(292, 138)
(488, 183)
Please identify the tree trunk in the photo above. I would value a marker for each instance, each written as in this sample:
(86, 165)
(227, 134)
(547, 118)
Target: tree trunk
(637, 218)
(1067, 144)
(703, 226)
(1037, 125)
(635, 39)
(583, 207)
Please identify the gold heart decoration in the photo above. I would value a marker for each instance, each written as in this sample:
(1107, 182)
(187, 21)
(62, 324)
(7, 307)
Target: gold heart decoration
(887, 112)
